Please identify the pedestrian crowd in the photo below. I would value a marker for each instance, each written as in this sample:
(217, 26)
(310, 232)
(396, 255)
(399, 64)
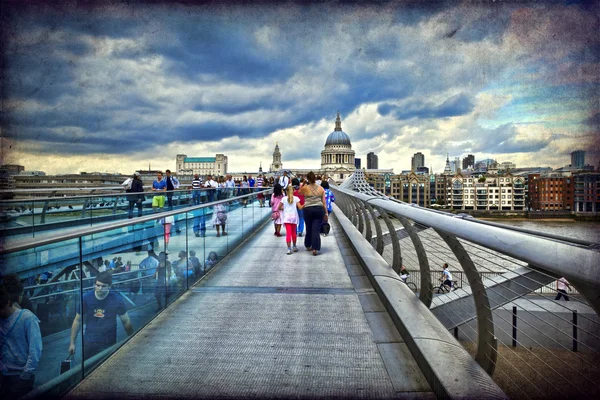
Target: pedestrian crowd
(301, 202)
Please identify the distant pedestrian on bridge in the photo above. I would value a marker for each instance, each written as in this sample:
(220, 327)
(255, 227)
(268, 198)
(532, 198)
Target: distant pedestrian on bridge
(296, 183)
(212, 188)
(329, 196)
(172, 184)
(159, 185)
(315, 212)
(446, 277)
(135, 196)
(284, 181)
(259, 187)
(167, 223)
(100, 310)
(244, 190)
(230, 186)
(196, 189)
(219, 218)
(163, 271)
(275, 212)
(561, 286)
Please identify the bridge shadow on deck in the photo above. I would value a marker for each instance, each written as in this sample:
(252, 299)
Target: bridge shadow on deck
(268, 325)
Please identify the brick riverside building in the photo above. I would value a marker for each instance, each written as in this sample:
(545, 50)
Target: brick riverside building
(587, 192)
(551, 192)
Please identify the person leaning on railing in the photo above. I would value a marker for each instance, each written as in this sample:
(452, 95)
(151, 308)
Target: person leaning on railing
(196, 186)
(159, 185)
(136, 199)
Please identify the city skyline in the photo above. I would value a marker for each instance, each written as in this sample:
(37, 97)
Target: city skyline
(118, 87)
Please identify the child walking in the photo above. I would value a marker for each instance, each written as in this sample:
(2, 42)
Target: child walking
(290, 207)
(329, 196)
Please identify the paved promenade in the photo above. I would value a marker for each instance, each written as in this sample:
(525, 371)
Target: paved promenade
(268, 325)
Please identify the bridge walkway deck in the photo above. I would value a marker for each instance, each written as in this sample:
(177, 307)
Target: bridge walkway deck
(268, 325)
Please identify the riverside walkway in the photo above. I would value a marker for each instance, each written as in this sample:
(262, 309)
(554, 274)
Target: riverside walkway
(268, 325)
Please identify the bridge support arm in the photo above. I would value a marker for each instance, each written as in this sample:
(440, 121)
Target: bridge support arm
(379, 233)
(487, 345)
(426, 293)
(367, 224)
(396, 249)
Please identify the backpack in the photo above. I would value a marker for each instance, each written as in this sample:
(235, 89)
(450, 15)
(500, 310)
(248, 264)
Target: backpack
(221, 216)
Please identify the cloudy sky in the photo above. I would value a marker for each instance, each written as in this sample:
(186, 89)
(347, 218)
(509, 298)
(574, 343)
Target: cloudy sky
(118, 87)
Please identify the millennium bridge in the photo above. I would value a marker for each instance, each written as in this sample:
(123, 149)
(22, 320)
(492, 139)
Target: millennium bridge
(235, 317)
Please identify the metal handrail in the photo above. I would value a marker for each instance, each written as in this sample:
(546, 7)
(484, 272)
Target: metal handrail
(110, 194)
(122, 224)
(553, 257)
(512, 228)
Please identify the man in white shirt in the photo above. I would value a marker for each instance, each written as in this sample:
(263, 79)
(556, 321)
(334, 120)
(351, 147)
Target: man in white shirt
(561, 286)
(447, 277)
(212, 185)
(284, 181)
(230, 186)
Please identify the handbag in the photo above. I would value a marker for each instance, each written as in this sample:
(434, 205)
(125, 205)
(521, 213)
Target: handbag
(222, 217)
(325, 228)
(275, 216)
(65, 365)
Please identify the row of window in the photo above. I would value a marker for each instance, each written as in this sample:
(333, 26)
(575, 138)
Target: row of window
(480, 203)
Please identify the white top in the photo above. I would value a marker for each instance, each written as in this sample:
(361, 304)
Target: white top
(229, 183)
(217, 208)
(127, 183)
(290, 211)
(562, 283)
(447, 274)
(211, 183)
(284, 181)
(148, 262)
(167, 220)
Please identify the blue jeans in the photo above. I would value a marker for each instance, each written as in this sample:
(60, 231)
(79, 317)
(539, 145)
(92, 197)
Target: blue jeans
(211, 195)
(132, 204)
(300, 221)
(170, 200)
(199, 225)
(196, 197)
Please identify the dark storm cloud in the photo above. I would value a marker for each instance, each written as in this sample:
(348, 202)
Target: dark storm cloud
(593, 121)
(452, 107)
(117, 78)
(501, 140)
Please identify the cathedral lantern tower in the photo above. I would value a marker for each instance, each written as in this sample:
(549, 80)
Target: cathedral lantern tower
(276, 165)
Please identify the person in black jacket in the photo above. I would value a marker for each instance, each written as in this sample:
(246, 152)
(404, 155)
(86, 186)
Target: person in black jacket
(136, 187)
